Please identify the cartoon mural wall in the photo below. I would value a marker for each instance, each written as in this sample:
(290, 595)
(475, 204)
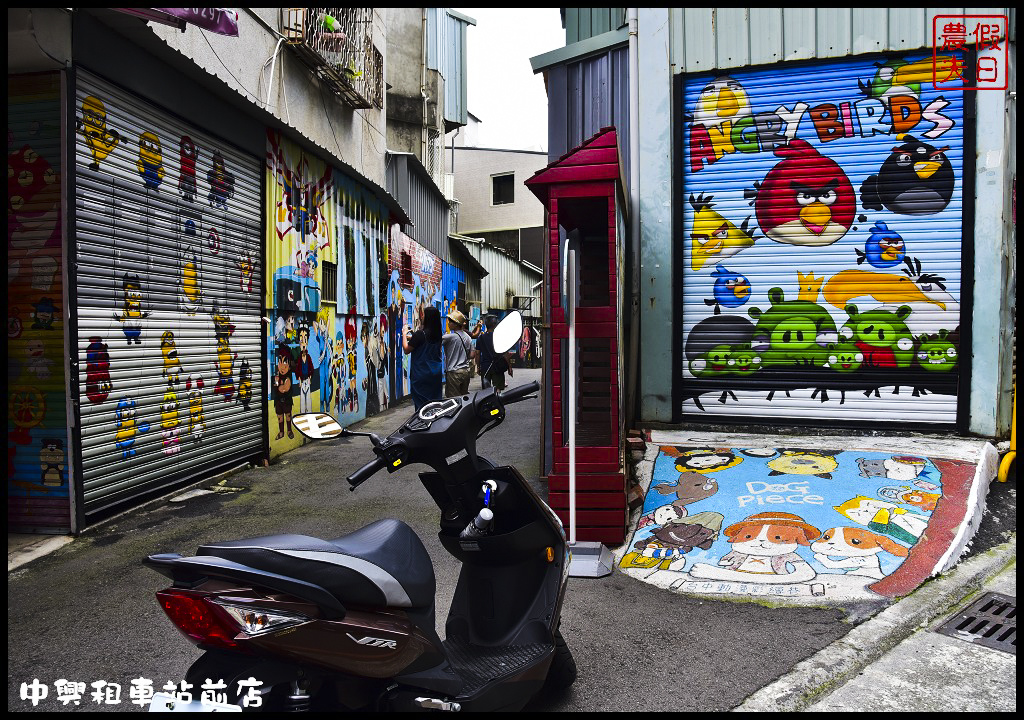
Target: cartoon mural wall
(417, 280)
(168, 304)
(37, 436)
(821, 237)
(796, 522)
(329, 348)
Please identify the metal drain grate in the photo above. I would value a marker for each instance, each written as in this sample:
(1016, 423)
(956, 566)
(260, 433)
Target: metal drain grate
(990, 621)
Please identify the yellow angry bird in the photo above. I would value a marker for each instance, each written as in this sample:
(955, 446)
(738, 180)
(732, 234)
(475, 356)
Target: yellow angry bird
(151, 160)
(721, 99)
(714, 237)
(93, 126)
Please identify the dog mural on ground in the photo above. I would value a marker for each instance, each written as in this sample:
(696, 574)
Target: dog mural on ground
(764, 550)
(855, 550)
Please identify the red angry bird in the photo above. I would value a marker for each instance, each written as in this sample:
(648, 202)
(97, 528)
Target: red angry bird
(806, 199)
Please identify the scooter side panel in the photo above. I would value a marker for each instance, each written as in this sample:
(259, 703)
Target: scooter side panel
(367, 644)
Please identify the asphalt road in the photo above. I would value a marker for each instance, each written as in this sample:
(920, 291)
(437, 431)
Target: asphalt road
(87, 611)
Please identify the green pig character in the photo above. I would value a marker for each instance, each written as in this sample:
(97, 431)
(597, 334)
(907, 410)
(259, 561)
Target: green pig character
(881, 335)
(712, 363)
(743, 360)
(936, 353)
(792, 332)
(845, 357)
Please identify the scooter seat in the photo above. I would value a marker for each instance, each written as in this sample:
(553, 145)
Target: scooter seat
(383, 563)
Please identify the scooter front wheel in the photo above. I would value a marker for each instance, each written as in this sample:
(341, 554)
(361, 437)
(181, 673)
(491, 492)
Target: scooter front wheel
(562, 673)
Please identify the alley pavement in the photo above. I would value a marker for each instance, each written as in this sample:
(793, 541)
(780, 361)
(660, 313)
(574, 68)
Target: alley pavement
(83, 609)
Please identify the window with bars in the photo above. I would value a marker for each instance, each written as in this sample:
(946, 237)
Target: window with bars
(329, 284)
(406, 271)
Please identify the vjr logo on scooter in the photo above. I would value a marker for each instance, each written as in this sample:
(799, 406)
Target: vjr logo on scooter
(374, 642)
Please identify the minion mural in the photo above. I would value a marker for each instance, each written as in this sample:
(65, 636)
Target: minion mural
(837, 207)
(167, 332)
(323, 342)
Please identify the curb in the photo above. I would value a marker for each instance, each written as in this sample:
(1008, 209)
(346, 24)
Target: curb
(830, 668)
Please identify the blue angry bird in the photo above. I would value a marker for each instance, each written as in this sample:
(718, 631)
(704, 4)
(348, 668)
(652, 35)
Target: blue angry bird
(884, 248)
(731, 289)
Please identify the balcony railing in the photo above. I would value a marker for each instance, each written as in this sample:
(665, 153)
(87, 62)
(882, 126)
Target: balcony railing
(337, 45)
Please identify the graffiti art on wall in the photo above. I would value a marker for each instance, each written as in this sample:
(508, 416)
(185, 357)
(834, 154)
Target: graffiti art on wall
(37, 470)
(164, 323)
(850, 303)
(329, 348)
(795, 522)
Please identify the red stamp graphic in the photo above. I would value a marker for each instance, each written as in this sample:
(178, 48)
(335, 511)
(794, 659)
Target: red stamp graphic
(988, 33)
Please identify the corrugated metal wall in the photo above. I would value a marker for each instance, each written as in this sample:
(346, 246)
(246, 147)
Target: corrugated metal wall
(821, 221)
(422, 201)
(507, 278)
(38, 470)
(717, 38)
(446, 53)
(583, 23)
(584, 97)
(167, 273)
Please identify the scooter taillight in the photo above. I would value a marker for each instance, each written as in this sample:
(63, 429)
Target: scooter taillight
(199, 619)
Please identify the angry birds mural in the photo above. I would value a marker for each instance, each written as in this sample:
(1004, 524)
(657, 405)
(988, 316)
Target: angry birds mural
(916, 179)
(806, 199)
(715, 238)
(723, 99)
(884, 248)
(731, 289)
(844, 178)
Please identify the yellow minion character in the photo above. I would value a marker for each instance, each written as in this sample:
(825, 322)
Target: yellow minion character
(93, 127)
(151, 161)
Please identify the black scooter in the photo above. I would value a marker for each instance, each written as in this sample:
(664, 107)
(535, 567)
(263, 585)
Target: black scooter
(348, 624)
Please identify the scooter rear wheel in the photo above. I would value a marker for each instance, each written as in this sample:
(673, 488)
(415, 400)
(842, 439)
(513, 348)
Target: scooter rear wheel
(562, 673)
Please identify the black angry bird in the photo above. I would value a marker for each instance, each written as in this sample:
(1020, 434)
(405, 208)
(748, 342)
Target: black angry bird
(917, 179)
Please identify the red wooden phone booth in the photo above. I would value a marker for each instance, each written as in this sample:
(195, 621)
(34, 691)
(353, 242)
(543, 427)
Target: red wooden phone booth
(583, 192)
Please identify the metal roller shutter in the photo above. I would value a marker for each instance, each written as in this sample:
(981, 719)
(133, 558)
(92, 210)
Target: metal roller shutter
(167, 224)
(822, 243)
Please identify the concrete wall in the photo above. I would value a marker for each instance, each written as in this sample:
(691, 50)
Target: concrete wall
(295, 97)
(473, 170)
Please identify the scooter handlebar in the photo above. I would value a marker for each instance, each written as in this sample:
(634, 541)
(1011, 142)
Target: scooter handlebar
(365, 472)
(520, 392)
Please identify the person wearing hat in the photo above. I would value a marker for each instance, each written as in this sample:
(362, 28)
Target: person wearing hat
(458, 353)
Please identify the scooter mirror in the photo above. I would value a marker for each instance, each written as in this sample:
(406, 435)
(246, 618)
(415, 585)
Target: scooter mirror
(508, 332)
(317, 426)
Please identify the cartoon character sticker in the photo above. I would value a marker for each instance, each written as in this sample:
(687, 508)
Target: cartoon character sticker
(127, 427)
(150, 163)
(131, 314)
(196, 420)
(222, 183)
(51, 462)
(187, 173)
(93, 127)
(97, 371)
